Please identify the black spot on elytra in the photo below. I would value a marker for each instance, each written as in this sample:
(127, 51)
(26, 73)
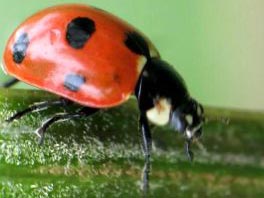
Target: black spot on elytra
(137, 44)
(79, 30)
(73, 82)
(20, 48)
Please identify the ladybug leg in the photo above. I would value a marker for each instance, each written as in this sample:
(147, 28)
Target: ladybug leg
(147, 145)
(86, 111)
(39, 106)
(144, 103)
(146, 135)
(188, 151)
(10, 83)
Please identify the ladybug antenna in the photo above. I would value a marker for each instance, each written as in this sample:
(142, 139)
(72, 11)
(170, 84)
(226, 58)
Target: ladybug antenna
(200, 145)
(187, 147)
(221, 119)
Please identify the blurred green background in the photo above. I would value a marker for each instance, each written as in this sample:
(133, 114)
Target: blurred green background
(217, 46)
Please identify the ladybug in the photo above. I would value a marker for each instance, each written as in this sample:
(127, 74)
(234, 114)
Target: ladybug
(88, 56)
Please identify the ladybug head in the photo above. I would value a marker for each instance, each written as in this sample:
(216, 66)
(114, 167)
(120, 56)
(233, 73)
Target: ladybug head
(188, 118)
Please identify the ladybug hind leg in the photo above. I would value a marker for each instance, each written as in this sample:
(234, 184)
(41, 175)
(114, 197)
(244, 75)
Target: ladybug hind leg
(86, 111)
(10, 83)
(36, 107)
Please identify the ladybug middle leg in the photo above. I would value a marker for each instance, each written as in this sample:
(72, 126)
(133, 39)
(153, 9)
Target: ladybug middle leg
(85, 111)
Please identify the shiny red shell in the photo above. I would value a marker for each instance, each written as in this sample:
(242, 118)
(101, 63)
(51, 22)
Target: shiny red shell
(111, 69)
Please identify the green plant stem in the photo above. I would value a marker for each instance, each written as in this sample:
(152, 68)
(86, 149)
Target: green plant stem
(101, 156)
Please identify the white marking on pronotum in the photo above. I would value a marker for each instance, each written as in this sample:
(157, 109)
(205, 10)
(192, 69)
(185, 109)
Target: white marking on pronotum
(160, 113)
(141, 63)
(153, 52)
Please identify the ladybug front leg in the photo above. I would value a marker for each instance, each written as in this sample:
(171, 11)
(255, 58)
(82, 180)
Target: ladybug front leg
(147, 147)
(146, 135)
(144, 103)
(86, 111)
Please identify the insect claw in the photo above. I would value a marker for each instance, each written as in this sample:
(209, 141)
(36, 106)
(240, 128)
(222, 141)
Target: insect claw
(40, 133)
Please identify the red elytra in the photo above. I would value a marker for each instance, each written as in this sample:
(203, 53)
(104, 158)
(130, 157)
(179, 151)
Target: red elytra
(107, 70)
